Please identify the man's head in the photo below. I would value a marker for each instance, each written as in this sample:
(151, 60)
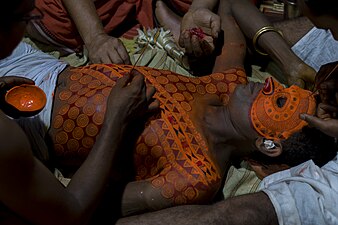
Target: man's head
(13, 18)
(323, 14)
(309, 143)
(275, 111)
(269, 110)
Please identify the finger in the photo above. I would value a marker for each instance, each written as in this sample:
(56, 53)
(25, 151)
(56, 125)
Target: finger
(11, 81)
(181, 40)
(121, 50)
(187, 43)
(124, 81)
(197, 49)
(94, 59)
(115, 57)
(329, 127)
(137, 80)
(329, 85)
(315, 122)
(207, 47)
(150, 92)
(104, 58)
(154, 105)
(327, 107)
(215, 25)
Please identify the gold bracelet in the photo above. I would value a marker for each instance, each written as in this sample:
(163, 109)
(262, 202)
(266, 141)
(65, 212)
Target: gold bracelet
(259, 33)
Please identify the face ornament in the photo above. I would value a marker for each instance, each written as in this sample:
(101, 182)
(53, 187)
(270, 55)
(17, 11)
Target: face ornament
(275, 111)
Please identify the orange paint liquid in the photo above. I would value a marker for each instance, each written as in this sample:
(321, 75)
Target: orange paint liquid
(26, 98)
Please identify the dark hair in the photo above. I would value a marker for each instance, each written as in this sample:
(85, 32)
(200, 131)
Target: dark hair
(308, 144)
(320, 7)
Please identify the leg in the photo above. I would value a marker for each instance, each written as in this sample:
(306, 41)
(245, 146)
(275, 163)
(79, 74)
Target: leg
(234, 47)
(168, 19)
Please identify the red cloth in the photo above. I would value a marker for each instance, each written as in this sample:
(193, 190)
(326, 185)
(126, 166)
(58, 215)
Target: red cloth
(113, 13)
(179, 6)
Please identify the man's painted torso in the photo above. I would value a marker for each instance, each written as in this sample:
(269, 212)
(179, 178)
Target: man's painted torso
(170, 153)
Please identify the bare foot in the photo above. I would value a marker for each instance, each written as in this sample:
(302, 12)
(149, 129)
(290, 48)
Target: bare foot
(168, 19)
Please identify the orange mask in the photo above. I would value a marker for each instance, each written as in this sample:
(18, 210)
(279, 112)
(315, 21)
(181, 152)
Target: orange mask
(275, 111)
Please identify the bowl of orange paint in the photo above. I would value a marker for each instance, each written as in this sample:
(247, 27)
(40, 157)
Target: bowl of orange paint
(25, 100)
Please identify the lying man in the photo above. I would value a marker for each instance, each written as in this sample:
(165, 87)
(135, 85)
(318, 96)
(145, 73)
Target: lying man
(306, 194)
(182, 154)
(30, 193)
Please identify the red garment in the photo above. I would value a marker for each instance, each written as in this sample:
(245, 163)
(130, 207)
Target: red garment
(128, 14)
(179, 6)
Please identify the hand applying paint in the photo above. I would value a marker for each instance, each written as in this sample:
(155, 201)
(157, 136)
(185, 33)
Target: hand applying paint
(326, 116)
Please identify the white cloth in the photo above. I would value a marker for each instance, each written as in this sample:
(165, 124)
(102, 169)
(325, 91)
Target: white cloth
(31, 63)
(44, 69)
(317, 48)
(305, 194)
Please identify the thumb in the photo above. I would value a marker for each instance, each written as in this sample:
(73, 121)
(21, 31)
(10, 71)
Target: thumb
(123, 81)
(329, 127)
(313, 121)
(215, 25)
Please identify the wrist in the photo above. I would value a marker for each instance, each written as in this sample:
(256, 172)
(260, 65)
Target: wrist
(92, 37)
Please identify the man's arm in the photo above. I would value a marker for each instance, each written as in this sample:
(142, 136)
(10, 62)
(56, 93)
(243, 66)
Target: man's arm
(102, 48)
(248, 209)
(31, 191)
(295, 70)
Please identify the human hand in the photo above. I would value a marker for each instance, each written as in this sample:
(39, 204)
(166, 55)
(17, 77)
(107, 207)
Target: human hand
(326, 120)
(326, 115)
(328, 92)
(11, 81)
(301, 75)
(107, 49)
(131, 98)
(200, 43)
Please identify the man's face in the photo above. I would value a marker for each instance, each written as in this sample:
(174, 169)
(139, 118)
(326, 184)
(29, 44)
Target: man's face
(13, 33)
(326, 22)
(275, 111)
(241, 101)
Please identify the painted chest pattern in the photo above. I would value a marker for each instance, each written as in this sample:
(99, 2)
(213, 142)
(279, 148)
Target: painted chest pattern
(170, 153)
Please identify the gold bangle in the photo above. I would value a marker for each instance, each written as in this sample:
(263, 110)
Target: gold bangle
(259, 33)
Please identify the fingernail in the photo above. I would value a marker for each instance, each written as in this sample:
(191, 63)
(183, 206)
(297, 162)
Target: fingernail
(302, 116)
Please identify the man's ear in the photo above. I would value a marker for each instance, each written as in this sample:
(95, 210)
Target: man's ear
(271, 148)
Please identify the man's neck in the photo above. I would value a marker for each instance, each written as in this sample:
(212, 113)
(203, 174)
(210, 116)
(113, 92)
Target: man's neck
(214, 123)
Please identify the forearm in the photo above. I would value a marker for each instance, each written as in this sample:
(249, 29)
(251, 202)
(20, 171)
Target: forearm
(89, 182)
(247, 209)
(141, 196)
(85, 17)
(270, 42)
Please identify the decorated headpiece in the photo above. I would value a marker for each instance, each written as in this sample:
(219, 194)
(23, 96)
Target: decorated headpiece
(275, 111)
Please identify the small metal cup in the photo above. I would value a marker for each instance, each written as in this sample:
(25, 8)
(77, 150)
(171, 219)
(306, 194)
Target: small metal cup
(291, 9)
